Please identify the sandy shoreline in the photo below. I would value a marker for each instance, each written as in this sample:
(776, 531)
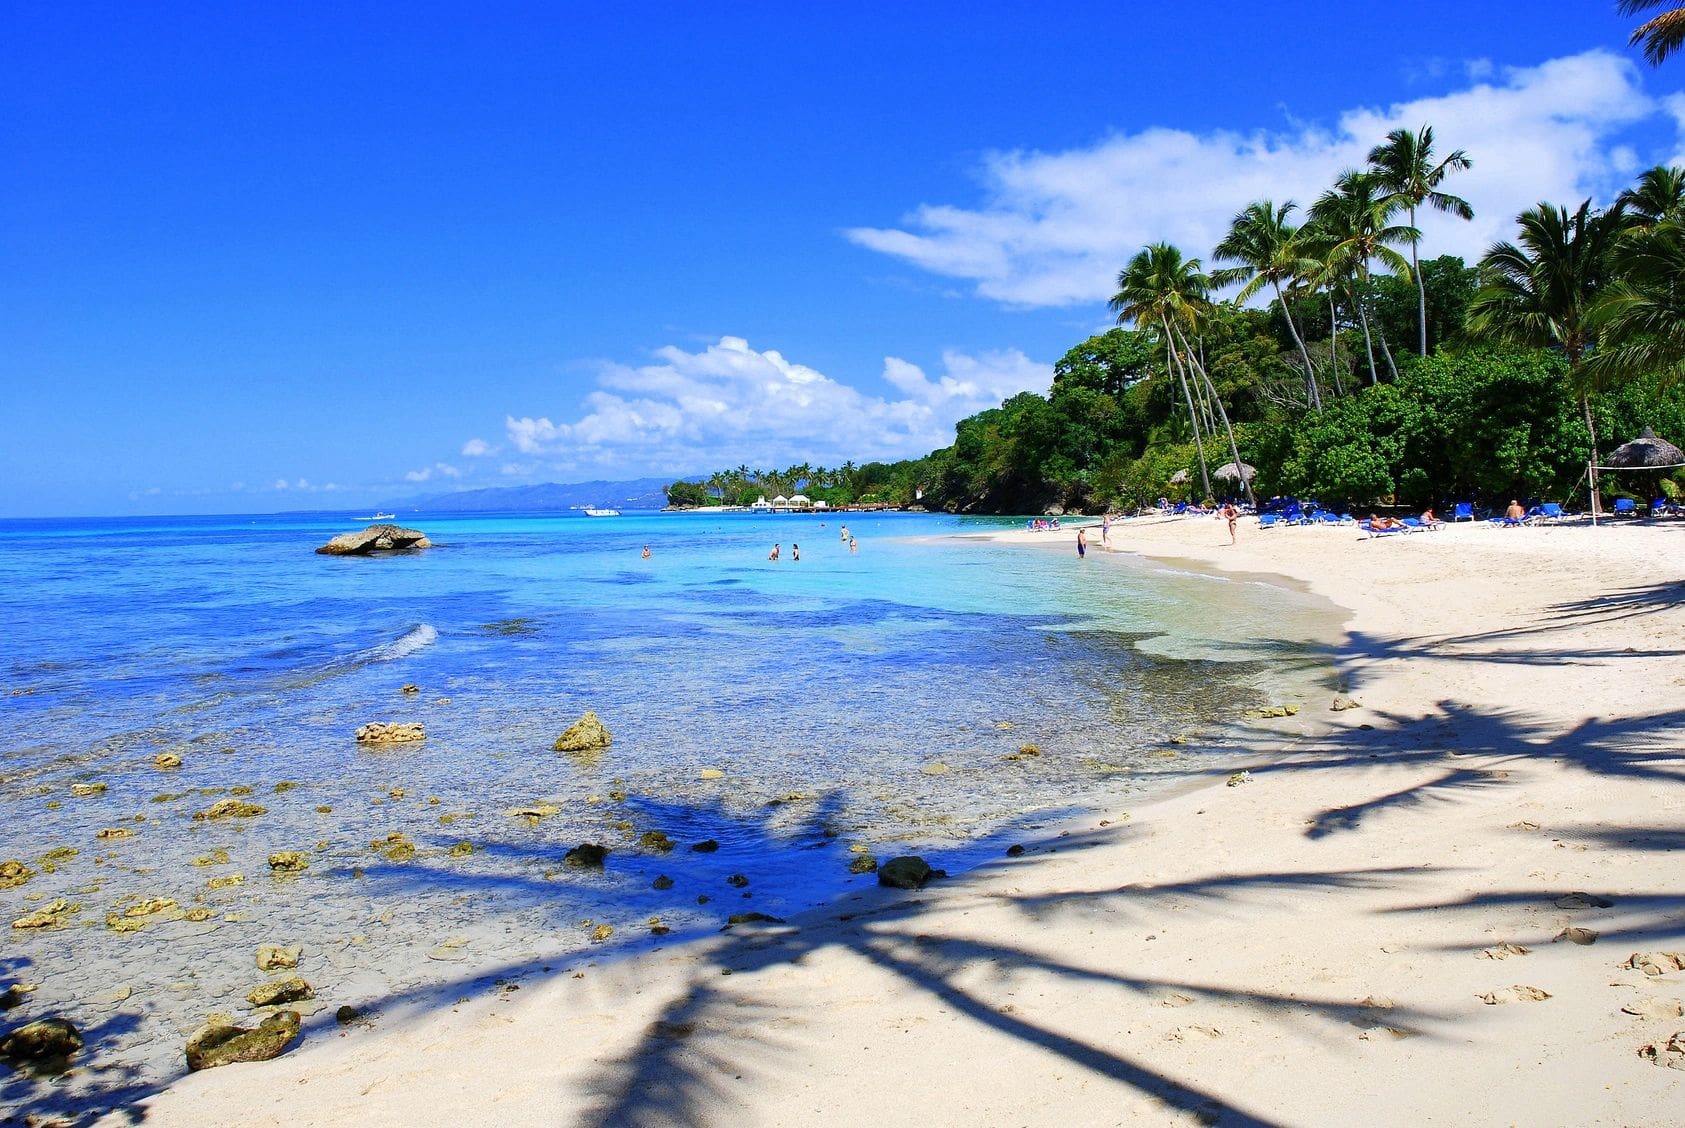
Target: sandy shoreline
(1304, 947)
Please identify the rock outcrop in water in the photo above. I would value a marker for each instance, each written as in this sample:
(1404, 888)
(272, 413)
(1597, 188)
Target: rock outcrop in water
(375, 538)
(394, 732)
(587, 734)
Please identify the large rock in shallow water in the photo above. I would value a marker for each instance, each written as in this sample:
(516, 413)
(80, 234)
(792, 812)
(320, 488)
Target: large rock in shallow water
(220, 1043)
(587, 734)
(42, 1041)
(375, 538)
(907, 872)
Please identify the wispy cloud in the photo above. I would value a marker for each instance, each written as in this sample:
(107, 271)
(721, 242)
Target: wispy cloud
(438, 469)
(1054, 228)
(730, 402)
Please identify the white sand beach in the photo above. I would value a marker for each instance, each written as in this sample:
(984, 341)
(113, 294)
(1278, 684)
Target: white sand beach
(1367, 930)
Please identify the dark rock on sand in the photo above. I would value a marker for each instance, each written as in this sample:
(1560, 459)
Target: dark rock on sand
(46, 1040)
(221, 1043)
(375, 538)
(346, 1015)
(587, 734)
(587, 855)
(1015, 850)
(751, 918)
(863, 863)
(907, 872)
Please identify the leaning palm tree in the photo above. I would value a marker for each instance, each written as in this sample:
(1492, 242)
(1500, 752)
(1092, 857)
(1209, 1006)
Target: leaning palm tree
(1261, 242)
(1156, 290)
(1356, 220)
(1405, 167)
(1540, 293)
(1662, 35)
(1170, 296)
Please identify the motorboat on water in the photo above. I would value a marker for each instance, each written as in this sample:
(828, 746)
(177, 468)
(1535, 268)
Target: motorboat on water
(379, 517)
(593, 511)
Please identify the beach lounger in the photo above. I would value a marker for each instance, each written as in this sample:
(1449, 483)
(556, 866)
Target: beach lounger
(1417, 525)
(1625, 507)
(1463, 512)
(1552, 511)
(1269, 520)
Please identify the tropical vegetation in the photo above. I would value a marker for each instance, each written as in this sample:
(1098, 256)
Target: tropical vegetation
(1337, 361)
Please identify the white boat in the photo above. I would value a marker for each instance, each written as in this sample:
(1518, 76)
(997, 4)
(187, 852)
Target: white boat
(593, 511)
(379, 517)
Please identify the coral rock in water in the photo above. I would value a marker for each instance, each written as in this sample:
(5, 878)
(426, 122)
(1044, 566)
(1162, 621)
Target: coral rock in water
(396, 732)
(375, 538)
(587, 734)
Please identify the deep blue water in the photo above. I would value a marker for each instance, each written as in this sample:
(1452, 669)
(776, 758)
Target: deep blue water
(861, 699)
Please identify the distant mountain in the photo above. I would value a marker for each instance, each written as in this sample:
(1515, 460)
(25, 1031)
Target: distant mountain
(639, 493)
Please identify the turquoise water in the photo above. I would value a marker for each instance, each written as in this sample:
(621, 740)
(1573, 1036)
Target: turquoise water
(862, 700)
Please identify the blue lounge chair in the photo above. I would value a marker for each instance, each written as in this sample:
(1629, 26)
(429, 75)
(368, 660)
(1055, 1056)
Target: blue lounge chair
(1463, 512)
(1268, 520)
(1552, 511)
(1659, 507)
(1625, 507)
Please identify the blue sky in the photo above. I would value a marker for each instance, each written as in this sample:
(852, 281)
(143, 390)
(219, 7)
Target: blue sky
(255, 259)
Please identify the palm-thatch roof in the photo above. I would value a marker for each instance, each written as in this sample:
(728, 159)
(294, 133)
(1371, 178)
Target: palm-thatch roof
(1647, 451)
(1227, 471)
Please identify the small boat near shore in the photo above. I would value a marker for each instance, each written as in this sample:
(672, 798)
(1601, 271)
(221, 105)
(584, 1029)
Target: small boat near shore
(378, 517)
(593, 511)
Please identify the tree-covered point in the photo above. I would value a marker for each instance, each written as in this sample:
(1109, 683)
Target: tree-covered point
(1365, 378)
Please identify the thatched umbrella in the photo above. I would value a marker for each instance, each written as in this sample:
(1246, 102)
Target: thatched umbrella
(1178, 478)
(1646, 452)
(1228, 471)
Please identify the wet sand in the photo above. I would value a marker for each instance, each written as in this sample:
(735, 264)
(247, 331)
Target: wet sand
(1385, 924)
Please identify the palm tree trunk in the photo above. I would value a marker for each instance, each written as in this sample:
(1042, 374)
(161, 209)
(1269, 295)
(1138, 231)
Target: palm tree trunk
(1368, 341)
(1333, 346)
(1591, 466)
(1311, 392)
(1421, 295)
(1234, 451)
(1381, 335)
(1199, 447)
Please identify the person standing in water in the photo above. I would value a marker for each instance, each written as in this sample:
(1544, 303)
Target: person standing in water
(773, 555)
(845, 535)
(795, 552)
(1082, 543)
(853, 545)
(646, 552)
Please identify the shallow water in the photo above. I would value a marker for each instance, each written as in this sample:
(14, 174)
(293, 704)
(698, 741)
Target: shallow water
(861, 699)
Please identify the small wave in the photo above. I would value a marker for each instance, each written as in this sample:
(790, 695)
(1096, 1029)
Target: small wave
(417, 638)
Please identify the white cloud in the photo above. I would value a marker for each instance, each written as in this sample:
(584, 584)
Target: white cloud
(732, 403)
(280, 483)
(1675, 105)
(477, 448)
(441, 469)
(1055, 228)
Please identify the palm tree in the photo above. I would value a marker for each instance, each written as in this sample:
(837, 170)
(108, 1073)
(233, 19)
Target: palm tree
(1640, 316)
(1540, 293)
(1161, 291)
(1157, 290)
(1662, 35)
(1658, 195)
(1262, 243)
(1355, 216)
(1405, 167)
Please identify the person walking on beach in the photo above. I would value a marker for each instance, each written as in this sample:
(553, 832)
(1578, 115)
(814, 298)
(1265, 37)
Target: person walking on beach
(1106, 531)
(1082, 543)
(1229, 514)
(773, 555)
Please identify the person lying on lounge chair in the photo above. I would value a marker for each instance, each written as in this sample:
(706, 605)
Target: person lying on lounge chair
(1381, 524)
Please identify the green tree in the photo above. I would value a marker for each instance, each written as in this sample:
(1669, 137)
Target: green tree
(1404, 166)
(1355, 228)
(1108, 362)
(1539, 292)
(687, 494)
(1263, 245)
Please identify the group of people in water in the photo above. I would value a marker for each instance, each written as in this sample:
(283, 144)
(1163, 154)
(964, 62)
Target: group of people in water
(796, 549)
